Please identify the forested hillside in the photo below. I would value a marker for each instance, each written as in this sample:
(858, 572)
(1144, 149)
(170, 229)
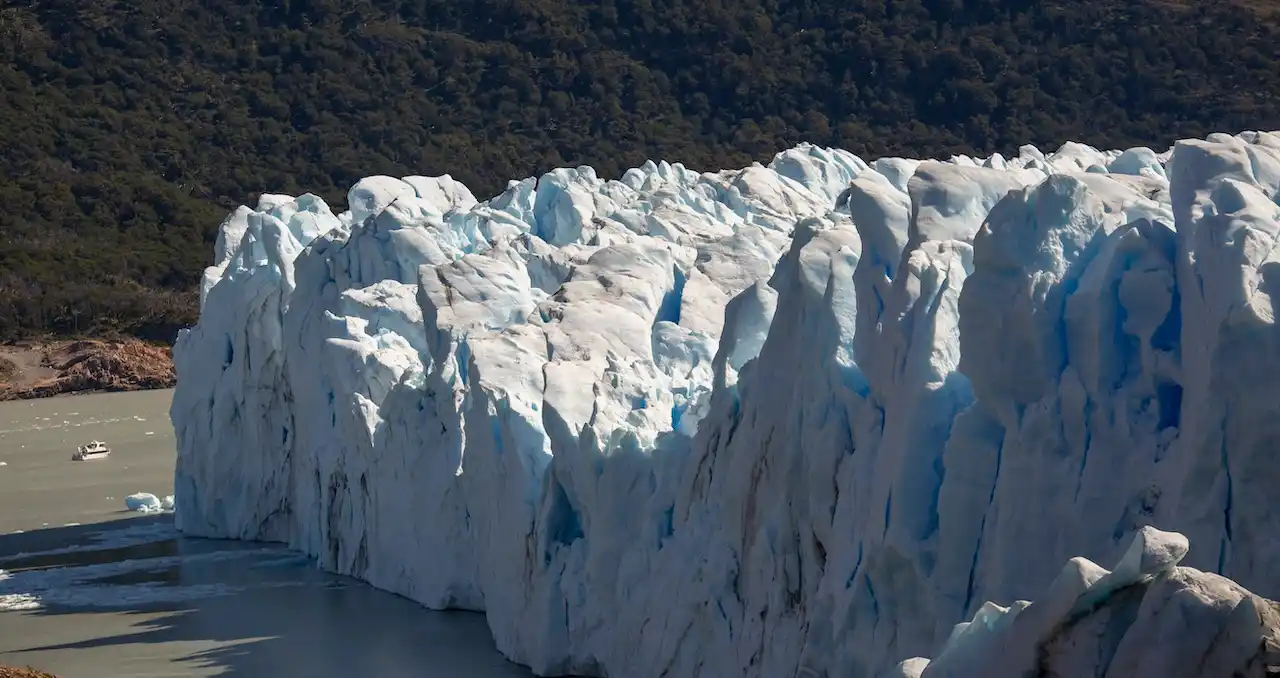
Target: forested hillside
(128, 129)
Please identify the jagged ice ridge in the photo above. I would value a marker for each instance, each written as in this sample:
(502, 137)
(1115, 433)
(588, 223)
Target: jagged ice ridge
(1147, 618)
(799, 419)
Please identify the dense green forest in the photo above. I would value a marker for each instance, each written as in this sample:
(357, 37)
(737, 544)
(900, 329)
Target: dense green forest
(128, 129)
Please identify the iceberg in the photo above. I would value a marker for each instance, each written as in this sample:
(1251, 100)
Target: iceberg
(143, 502)
(796, 419)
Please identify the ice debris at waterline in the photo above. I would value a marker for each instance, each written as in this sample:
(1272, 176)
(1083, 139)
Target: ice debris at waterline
(145, 502)
(106, 585)
(1148, 618)
(788, 420)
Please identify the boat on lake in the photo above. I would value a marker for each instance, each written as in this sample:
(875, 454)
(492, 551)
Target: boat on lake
(94, 450)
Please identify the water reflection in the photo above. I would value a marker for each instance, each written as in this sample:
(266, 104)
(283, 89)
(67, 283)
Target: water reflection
(123, 606)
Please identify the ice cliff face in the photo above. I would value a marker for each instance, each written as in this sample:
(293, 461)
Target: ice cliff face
(1148, 618)
(790, 420)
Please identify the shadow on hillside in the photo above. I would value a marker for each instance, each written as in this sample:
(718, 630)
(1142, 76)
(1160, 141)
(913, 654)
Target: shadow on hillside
(260, 610)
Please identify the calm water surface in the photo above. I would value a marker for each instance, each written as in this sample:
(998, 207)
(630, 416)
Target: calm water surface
(89, 590)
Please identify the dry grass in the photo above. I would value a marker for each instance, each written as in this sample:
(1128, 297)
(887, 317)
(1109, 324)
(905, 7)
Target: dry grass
(28, 672)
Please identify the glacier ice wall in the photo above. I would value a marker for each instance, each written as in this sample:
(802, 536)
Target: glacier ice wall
(799, 419)
(1147, 618)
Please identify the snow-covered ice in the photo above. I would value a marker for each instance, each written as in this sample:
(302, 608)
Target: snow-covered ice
(799, 419)
(1148, 618)
(145, 502)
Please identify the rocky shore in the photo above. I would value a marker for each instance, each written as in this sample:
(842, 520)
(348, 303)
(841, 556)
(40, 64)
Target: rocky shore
(43, 369)
(28, 672)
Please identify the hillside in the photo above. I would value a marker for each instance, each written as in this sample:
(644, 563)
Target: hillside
(129, 128)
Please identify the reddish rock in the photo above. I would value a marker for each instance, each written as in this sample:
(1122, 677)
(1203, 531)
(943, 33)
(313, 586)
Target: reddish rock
(37, 371)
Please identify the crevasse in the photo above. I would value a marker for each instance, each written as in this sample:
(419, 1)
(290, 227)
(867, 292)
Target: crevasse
(789, 420)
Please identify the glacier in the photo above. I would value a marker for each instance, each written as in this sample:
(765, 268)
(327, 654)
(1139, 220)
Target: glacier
(1147, 618)
(796, 419)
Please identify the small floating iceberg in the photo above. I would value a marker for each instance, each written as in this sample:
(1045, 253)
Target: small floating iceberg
(145, 502)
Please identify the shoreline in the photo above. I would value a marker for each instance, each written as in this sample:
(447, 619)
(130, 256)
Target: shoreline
(18, 396)
(38, 369)
(23, 672)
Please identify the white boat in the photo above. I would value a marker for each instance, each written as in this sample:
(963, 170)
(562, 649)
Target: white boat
(94, 450)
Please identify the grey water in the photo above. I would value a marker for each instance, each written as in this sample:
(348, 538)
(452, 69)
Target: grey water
(89, 589)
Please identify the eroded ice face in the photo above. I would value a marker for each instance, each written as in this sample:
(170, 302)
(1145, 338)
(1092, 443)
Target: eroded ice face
(803, 417)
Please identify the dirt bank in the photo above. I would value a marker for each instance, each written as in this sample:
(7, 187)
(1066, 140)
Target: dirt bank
(14, 672)
(42, 369)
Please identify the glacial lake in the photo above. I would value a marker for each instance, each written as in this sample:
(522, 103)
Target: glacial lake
(89, 589)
